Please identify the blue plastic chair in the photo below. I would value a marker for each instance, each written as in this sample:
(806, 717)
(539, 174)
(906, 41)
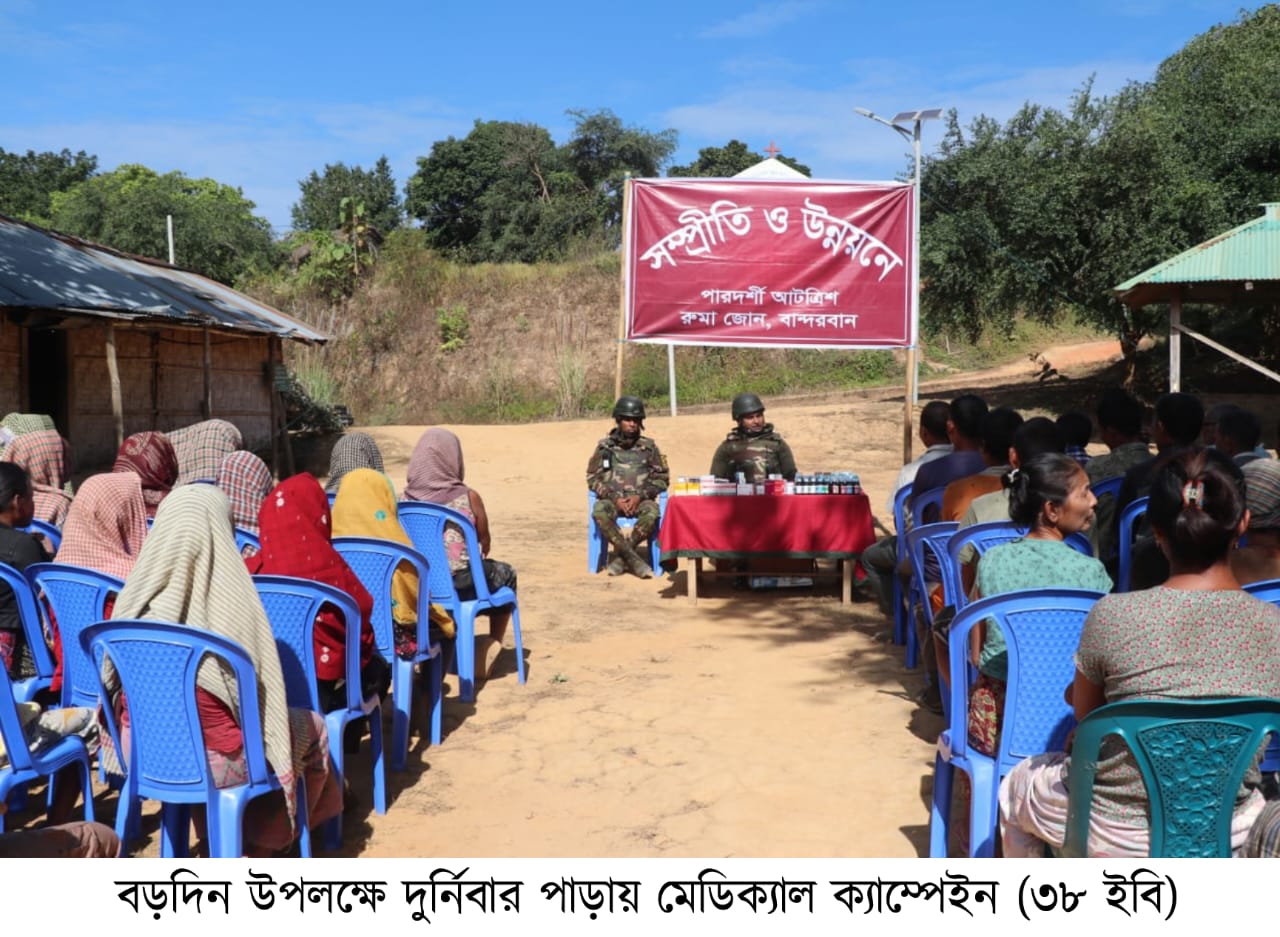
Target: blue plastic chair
(375, 562)
(927, 499)
(901, 605)
(1041, 629)
(1192, 754)
(332, 496)
(931, 537)
(425, 523)
(246, 538)
(598, 547)
(77, 597)
(26, 689)
(46, 530)
(982, 537)
(1129, 517)
(1269, 591)
(1107, 486)
(24, 767)
(157, 662)
(292, 606)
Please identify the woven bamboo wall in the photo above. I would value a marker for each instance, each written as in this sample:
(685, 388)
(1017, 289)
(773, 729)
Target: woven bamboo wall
(10, 367)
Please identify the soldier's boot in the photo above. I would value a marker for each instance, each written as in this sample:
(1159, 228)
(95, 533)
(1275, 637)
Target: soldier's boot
(635, 565)
(618, 541)
(617, 566)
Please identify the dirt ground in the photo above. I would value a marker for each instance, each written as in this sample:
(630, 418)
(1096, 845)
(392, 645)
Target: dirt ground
(762, 724)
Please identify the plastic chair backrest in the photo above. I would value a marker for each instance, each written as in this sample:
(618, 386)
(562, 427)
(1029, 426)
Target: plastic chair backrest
(1129, 517)
(44, 529)
(78, 598)
(246, 538)
(332, 496)
(157, 662)
(425, 525)
(927, 501)
(982, 537)
(29, 615)
(933, 538)
(1266, 589)
(375, 563)
(1192, 754)
(15, 741)
(1107, 486)
(1041, 630)
(292, 606)
(900, 516)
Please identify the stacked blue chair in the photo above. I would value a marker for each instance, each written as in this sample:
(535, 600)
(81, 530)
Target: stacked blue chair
(1192, 754)
(78, 598)
(46, 530)
(1129, 517)
(26, 689)
(25, 767)
(597, 547)
(375, 562)
(157, 664)
(425, 523)
(1041, 629)
(292, 606)
(901, 605)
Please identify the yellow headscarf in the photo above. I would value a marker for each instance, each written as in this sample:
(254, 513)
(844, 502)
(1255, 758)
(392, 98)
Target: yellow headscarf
(366, 507)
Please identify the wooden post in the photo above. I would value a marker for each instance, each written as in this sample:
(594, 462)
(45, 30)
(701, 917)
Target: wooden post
(908, 406)
(671, 376)
(206, 404)
(622, 293)
(1175, 342)
(270, 379)
(281, 425)
(113, 372)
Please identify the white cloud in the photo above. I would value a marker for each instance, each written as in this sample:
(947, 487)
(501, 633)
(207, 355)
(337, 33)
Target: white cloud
(761, 21)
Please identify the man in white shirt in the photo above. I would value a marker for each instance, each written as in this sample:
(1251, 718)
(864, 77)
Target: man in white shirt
(881, 558)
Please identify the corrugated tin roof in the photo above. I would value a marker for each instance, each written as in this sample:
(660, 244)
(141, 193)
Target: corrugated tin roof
(46, 271)
(1246, 258)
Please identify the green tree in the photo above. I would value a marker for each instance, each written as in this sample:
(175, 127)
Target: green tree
(319, 207)
(215, 230)
(28, 181)
(602, 152)
(721, 162)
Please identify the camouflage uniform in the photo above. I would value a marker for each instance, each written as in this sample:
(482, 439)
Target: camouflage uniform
(765, 453)
(618, 470)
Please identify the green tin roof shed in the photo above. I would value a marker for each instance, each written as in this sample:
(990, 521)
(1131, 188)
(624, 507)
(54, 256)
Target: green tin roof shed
(1238, 267)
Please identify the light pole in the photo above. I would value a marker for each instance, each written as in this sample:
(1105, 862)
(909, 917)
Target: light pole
(915, 118)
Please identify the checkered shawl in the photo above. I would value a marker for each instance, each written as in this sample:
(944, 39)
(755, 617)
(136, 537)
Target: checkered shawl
(106, 525)
(150, 456)
(45, 455)
(245, 480)
(201, 448)
(353, 451)
(190, 572)
(22, 423)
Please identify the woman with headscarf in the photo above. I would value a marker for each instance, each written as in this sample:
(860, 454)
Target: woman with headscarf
(190, 572)
(295, 530)
(150, 456)
(246, 481)
(201, 447)
(44, 455)
(105, 530)
(366, 507)
(352, 451)
(436, 475)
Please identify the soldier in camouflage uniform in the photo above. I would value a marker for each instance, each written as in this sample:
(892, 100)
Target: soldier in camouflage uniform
(752, 448)
(627, 473)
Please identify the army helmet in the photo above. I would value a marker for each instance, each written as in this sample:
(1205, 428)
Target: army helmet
(746, 403)
(628, 408)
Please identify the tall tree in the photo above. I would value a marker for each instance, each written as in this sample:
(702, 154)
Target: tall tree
(602, 152)
(721, 162)
(28, 181)
(215, 230)
(319, 207)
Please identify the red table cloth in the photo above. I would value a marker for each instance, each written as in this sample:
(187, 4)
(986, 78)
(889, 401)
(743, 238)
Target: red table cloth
(733, 527)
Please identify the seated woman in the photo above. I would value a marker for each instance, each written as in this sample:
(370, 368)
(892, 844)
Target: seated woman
(352, 451)
(150, 456)
(435, 475)
(201, 447)
(19, 550)
(366, 507)
(190, 572)
(1259, 560)
(246, 481)
(1050, 496)
(294, 530)
(1195, 636)
(44, 455)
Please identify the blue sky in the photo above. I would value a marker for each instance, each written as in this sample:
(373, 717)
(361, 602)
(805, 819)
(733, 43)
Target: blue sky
(258, 94)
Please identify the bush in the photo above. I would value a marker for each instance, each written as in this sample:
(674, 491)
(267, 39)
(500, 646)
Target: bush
(453, 327)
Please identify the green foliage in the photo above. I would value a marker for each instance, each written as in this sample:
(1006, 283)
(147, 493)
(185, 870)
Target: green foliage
(325, 264)
(319, 207)
(721, 162)
(27, 182)
(215, 230)
(454, 326)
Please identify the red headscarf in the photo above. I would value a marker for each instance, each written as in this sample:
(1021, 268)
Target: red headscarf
(150, 456)
(294, 529)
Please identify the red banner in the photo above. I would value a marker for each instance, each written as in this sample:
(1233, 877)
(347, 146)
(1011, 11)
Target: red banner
(754, 262)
